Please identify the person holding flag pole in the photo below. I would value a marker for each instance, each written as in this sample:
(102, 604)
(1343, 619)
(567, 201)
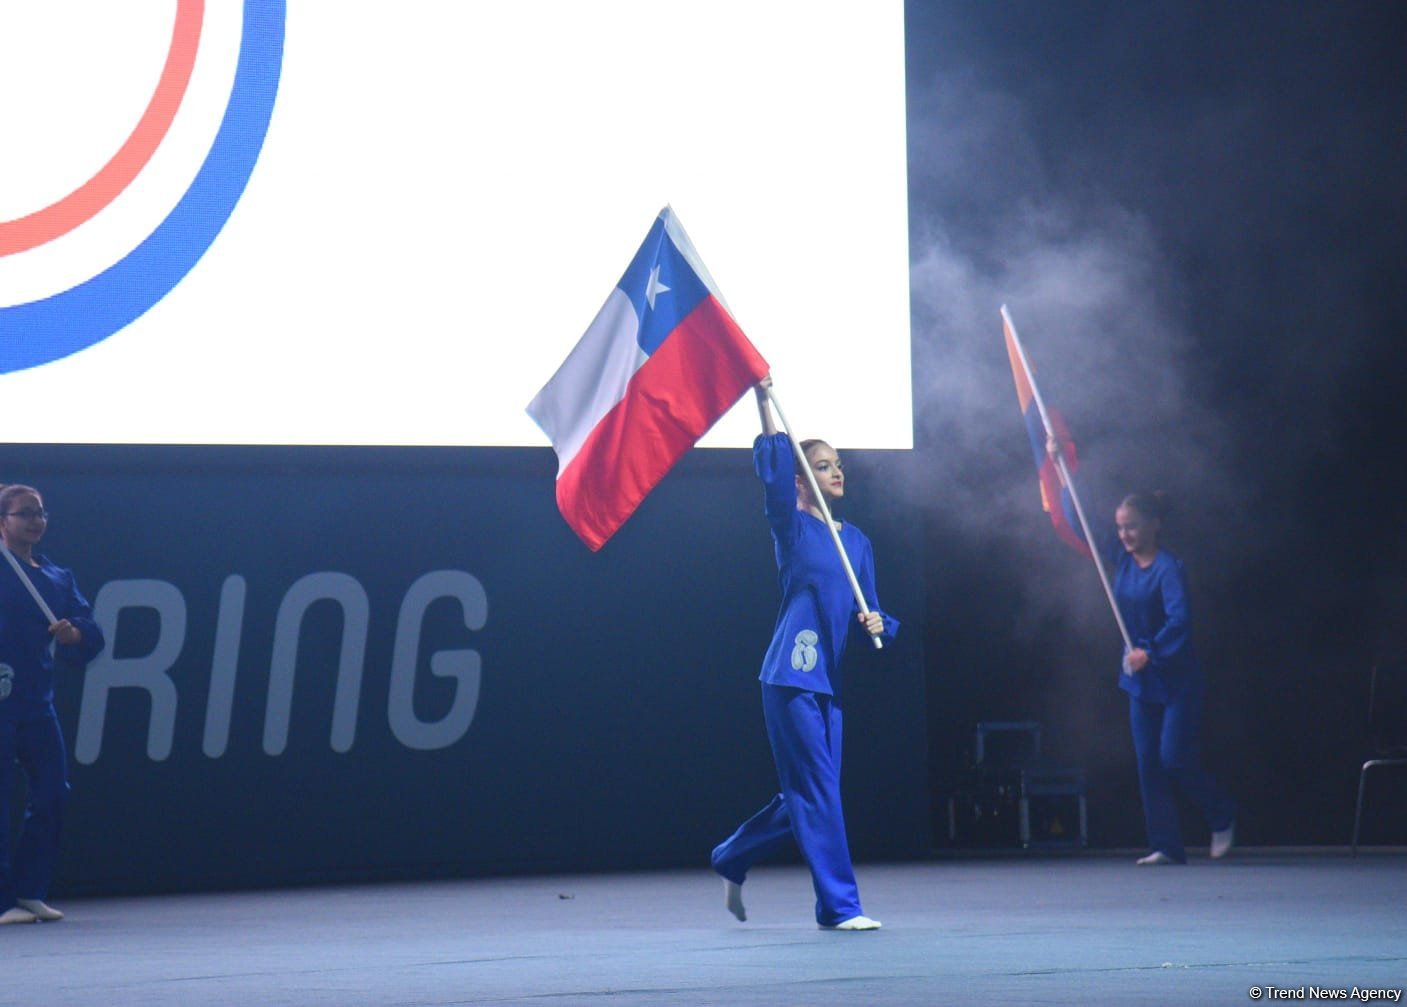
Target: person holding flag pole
(1165, 683)
(662, 361)
(1150, 602)
(40, 606)
(824, 597)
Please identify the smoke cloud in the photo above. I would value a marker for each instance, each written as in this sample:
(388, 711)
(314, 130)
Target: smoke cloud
(1188, 218)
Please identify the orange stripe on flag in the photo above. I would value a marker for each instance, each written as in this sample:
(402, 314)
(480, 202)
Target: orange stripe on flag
(1018, 372)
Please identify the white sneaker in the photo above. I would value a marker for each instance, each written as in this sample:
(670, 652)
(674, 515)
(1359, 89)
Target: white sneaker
(40, 910)
(1155, 859)
(1223, 841)
(17, 915)
(856, 923)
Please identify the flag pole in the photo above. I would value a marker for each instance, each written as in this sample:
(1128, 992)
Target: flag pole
(805, 467)
(1065, 479)
(29, 585)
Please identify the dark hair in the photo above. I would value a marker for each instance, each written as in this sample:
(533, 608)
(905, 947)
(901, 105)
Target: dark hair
(1152, 506)
(8, 493)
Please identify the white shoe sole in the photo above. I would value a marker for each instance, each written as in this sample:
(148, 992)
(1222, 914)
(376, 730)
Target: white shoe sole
(1155, 859)
(855, 923)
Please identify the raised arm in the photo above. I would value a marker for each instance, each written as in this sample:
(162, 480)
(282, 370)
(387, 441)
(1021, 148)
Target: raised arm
(764, 408)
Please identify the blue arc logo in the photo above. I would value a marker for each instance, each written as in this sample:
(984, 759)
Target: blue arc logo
(46, 330)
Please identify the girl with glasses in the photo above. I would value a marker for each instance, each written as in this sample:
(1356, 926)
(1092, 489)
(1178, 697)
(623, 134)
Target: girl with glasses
(29, 727)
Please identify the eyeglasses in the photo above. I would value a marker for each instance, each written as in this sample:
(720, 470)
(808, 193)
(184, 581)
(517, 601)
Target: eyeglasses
(29, 514)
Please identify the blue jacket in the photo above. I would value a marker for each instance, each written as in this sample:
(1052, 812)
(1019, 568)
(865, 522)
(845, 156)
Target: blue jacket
(1156, 610)
(818, 607)
(26, 657)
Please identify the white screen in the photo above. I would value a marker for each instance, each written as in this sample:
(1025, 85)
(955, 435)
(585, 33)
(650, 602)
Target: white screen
(445, 197)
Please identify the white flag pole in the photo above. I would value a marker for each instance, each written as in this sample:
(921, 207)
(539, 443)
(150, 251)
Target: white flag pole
(1065, 477)
(29, 585)
(805, 467)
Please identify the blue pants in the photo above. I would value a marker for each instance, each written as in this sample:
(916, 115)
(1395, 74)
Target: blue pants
(35, 741)
(1166, 740)
(804, 729)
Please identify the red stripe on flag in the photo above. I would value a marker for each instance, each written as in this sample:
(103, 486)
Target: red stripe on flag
(687, 384)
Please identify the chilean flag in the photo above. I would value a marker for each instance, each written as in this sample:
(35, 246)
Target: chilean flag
(1055, 497)
(662, 362)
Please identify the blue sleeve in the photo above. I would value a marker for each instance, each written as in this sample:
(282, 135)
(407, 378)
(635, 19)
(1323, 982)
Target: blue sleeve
(864, 573)
(77, 611)
(775, 465)
(1170, 643)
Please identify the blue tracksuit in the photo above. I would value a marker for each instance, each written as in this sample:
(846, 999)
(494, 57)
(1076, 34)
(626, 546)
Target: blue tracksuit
(1165, 699)
(801, 691)
(29, 728)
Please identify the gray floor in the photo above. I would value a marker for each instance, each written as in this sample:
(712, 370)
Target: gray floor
(1018, 930)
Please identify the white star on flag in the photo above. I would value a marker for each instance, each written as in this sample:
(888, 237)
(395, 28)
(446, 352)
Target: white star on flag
(654, 287)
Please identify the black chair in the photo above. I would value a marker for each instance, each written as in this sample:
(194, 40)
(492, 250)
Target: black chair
(1387, 727)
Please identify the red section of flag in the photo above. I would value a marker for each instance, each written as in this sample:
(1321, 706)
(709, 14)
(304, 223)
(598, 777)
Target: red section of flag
(1055, 498)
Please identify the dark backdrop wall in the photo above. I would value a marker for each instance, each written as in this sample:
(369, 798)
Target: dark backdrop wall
(366, 664)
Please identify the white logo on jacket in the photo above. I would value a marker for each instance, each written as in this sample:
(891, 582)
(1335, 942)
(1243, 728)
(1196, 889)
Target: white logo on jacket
(7, 680)
(803, 655)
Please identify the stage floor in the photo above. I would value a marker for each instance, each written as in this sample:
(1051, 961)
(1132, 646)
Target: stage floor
(1070, 929)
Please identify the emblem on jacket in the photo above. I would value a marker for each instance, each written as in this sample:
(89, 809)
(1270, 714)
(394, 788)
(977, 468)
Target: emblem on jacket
(803, 655)
(7, 680)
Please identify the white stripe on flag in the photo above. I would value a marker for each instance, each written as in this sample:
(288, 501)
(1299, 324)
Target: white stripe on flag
(592, 380)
